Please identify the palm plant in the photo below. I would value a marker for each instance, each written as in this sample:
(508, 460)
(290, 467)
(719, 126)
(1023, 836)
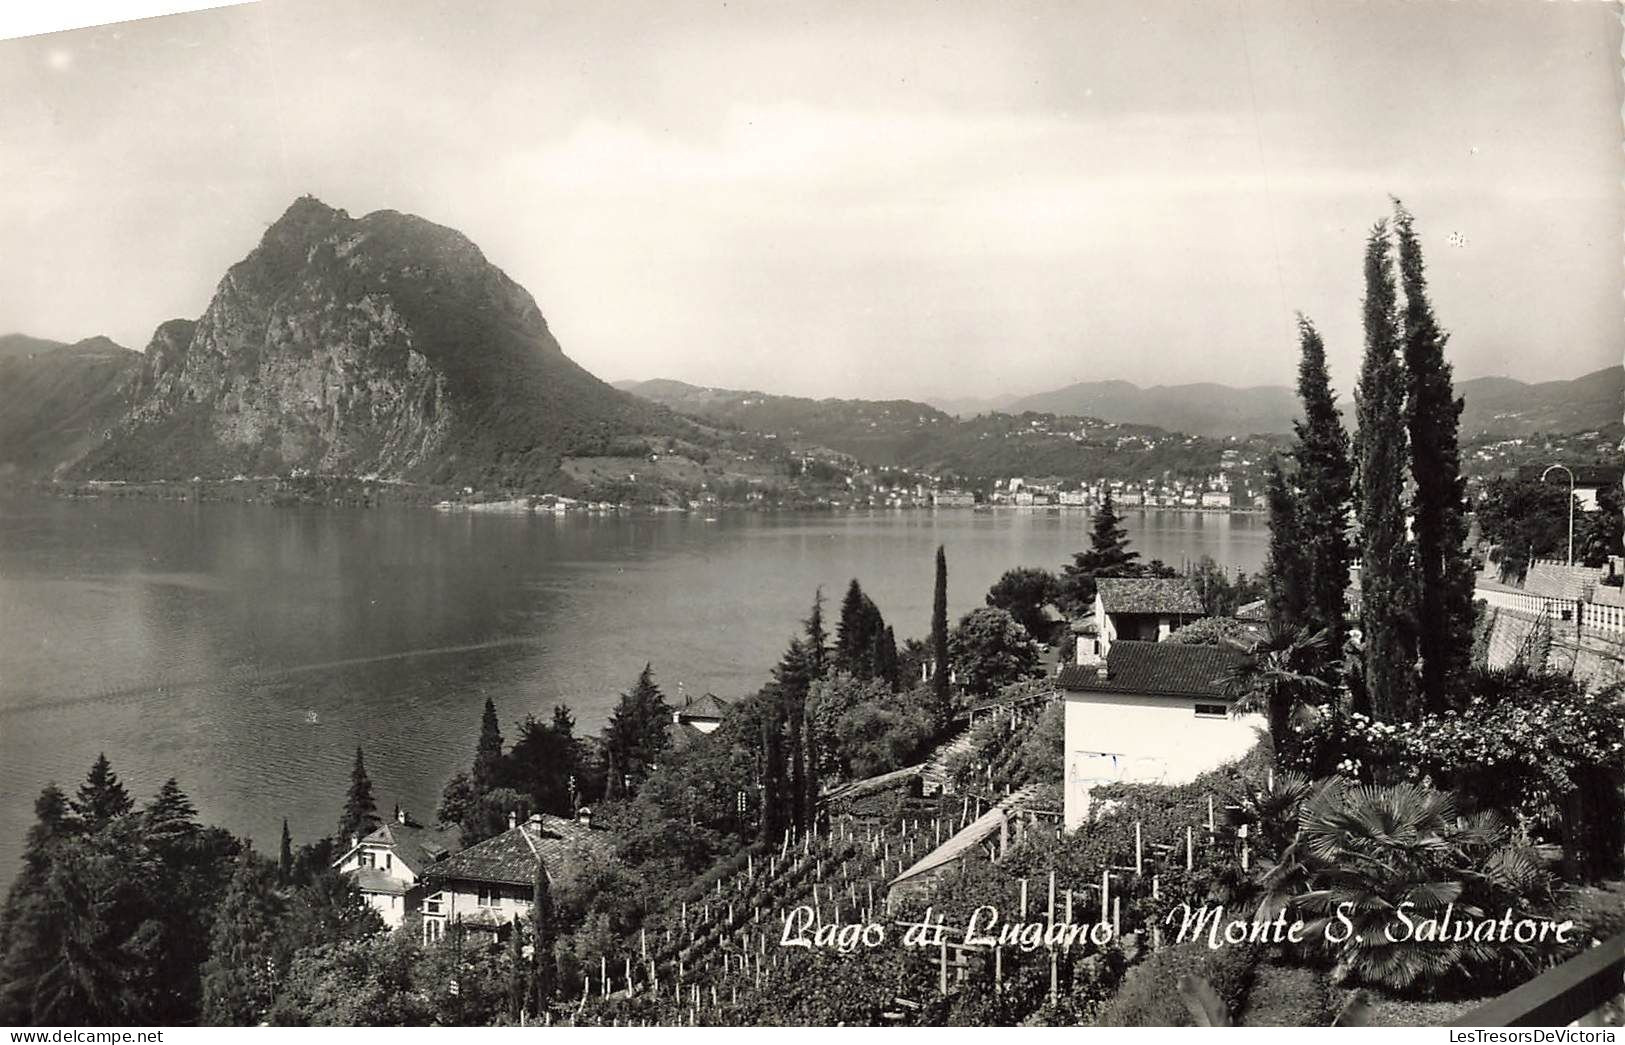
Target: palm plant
(1276, 677)
(1365, 851)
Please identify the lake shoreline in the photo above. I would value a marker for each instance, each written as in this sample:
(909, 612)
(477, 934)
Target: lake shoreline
(356, 492)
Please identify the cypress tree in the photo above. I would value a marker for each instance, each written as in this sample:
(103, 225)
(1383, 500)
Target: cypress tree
(360, 816)
(1387, 594)
(284, 861)
(891, 666)
(1325, 482)
(101, 797)
(851, 635)
(939, 643)
(541, 920)
(817, 638)
(488, 752)
(1288, 568)
(1432, 413)
(792, 680)
(775, 790)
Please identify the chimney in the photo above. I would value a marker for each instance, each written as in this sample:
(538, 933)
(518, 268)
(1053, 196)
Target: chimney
(534, 821)
(513, 820)
(584, 816)
(400, 815)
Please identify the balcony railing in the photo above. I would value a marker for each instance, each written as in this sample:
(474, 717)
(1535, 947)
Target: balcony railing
(1558, 997)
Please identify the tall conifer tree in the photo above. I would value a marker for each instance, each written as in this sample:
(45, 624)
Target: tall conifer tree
(488, 752)
(1108, 555)
(360, 816)
(284, 863)
(638, 732)
(1325, 481)
(1444, 569)
(817, 636)
(1288, 567)
(102, 796)
(239, 979)
(939, 643)
(1387, 589)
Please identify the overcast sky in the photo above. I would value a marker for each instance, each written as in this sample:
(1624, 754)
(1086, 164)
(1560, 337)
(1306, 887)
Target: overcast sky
(899, 199)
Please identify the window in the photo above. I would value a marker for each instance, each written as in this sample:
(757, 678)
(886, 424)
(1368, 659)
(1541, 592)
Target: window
(431, 905)
(388, 861)
(489, 897)
(431, 930)
(1212, 711)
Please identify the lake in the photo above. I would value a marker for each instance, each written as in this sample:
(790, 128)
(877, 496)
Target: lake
(247, 650)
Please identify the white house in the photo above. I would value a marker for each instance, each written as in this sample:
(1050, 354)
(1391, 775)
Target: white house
(1147, 712)
(487, 886)
(388, 864)
(1150, 608)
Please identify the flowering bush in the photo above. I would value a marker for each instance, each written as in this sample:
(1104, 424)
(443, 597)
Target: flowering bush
(1528, 744)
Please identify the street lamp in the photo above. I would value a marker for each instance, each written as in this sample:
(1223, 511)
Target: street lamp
(1543, 476)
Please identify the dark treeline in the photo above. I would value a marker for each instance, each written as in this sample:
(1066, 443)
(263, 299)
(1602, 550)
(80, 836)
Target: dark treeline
(142, 915)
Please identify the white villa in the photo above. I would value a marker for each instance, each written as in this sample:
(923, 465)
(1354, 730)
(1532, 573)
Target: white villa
(489, 885)
(1146, 711)
(388, 864)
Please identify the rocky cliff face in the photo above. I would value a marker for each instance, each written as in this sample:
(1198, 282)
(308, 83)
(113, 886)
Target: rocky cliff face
(381, 345)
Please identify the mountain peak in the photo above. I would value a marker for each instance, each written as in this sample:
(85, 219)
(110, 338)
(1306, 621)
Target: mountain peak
(381, 345)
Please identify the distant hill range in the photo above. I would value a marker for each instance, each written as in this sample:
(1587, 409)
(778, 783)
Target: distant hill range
(909, 434)
(382, 345)
(869, 430)
(57, 400)
(1496, 406)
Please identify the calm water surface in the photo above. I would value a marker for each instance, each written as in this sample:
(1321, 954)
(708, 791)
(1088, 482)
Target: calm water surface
(247, 650)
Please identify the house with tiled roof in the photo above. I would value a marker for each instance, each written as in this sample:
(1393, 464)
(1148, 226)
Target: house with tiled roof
(1148, 712)
(704, 714)
(389, 863)
(1145, 608)
(491, 884)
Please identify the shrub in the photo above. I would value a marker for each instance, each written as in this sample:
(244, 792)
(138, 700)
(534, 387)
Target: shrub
(1150, 994)
(1288, 996)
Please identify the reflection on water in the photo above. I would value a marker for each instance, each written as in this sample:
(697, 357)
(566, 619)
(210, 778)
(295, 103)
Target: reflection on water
(247, 650)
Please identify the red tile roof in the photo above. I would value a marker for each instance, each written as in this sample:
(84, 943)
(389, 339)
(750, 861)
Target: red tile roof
(1149, 595)
(369, 880)
(510, 858)
(1157, 669)
(414, 845)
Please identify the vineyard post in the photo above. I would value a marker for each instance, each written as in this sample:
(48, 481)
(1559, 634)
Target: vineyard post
(1190, 848)
(1210, 823)
(1024, 898)
(643, 939)
(603, 975)
(942, 974)
(1139, 850)
(1117, 917)
(1105, 893)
